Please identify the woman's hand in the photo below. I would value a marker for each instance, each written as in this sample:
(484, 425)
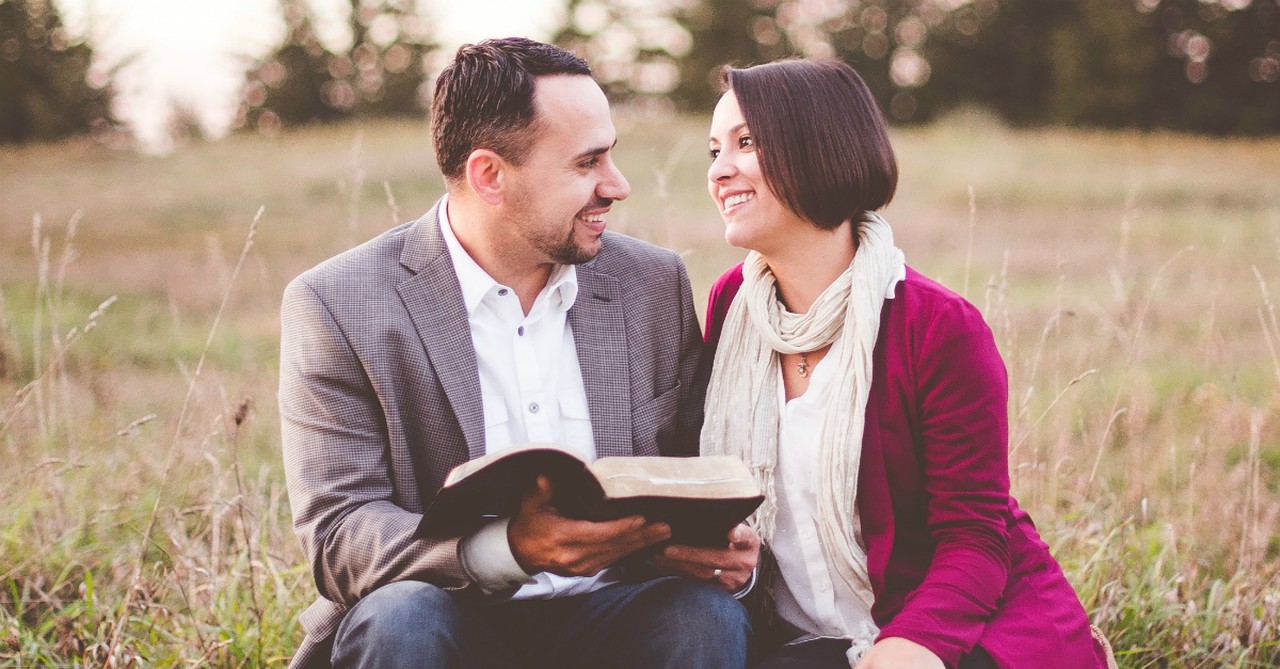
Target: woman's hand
(728, 568)
(898, 653)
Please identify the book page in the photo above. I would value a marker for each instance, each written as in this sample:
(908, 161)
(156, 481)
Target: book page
(707, 477)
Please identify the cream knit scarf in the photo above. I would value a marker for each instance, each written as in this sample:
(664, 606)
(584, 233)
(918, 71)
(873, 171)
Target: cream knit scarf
(742, 414)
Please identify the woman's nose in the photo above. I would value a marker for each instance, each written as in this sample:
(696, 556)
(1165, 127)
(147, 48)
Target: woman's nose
(721, 168)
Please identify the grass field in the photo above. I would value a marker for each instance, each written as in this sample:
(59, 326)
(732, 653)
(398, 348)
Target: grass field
(1131, 280)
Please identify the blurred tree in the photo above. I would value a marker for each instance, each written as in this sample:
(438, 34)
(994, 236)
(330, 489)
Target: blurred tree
(391, 44)
(1219, 64)
(725, 32)
(1204, 65)
(883, 39)
(43, 76)
(286, 89)
(637, 48)
(377, 71)
(993, 54)
(1105, 65)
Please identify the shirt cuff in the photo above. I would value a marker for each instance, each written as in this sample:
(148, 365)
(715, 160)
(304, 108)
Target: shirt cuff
(487, 558)
(751, 583)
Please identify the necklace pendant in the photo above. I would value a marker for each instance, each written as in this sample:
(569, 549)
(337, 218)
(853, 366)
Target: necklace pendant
(803, 366)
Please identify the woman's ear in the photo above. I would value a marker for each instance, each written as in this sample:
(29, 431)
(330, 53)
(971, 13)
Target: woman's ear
(486, 175)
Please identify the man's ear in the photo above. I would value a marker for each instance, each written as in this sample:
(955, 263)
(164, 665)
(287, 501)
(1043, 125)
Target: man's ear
(486, 175)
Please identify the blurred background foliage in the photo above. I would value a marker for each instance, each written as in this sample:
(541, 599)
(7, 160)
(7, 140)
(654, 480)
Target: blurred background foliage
(45, 88)
(1210, 66)
(377, 71)
(1201, 65)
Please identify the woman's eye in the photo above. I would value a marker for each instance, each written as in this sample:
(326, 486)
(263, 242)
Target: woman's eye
(746, 142)
(714, 153)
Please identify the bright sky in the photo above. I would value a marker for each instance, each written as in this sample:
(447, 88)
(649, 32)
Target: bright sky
(195, 51)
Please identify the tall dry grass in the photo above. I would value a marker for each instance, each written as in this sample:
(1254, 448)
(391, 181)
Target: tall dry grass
(1131, 281)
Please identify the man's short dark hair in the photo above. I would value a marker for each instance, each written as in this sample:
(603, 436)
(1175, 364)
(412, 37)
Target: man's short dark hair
(823, 145)
(484, 99)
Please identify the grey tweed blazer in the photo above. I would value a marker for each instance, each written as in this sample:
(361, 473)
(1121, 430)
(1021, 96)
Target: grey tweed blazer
(380, 398)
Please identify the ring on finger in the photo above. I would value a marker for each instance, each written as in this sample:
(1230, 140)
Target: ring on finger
(715, 574)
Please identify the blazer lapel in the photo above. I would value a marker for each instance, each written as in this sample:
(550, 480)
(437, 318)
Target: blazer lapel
(433, 299)
(600, 337)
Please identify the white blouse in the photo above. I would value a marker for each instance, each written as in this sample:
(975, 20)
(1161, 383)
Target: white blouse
(809, 595)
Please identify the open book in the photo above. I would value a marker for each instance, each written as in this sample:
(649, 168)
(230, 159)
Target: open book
(701, 498)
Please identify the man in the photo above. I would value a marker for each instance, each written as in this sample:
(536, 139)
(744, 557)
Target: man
(504, 315)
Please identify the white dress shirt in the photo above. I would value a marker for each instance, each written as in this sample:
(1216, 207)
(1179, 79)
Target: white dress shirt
(532, 389)
(810, 596)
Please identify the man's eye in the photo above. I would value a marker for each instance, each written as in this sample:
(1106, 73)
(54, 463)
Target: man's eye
(588, 164)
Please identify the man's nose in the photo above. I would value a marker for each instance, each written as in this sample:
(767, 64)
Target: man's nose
(615, 186)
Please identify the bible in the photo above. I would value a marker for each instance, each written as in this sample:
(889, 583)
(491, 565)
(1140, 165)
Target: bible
(701, 498)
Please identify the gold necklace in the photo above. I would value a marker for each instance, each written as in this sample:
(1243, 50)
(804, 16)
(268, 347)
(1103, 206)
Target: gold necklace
(803, 365)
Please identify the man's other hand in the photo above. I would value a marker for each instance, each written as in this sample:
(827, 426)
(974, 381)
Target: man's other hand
(729, 568)
(543, 540)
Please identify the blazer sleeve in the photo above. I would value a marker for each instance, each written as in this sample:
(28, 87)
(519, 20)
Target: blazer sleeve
(962, 400)
(335, 447)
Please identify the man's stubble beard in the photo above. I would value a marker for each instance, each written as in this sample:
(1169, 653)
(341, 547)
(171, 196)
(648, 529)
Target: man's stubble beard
(569, 252)
(564, 251)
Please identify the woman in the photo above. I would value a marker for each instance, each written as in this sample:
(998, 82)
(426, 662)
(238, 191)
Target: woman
(869, 401)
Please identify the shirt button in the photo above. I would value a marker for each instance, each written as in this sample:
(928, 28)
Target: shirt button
(520, 330)
(534, 408)
(502, 292)
(822, 587)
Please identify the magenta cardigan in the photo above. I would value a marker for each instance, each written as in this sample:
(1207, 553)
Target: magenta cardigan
(953, 561)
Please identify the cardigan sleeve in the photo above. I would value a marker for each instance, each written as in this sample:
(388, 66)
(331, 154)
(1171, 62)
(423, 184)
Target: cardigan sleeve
(962, 400)
(718, 301)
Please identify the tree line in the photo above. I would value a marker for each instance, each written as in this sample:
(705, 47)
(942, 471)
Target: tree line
(46, 90)
(1198, 65)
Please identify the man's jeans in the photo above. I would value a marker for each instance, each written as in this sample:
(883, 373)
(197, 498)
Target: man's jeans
(668, 622)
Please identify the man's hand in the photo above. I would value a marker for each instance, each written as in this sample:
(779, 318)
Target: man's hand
(898, 653)
(729, 567)
(543, 540)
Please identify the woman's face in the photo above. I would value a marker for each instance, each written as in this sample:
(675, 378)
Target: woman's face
(754, 217)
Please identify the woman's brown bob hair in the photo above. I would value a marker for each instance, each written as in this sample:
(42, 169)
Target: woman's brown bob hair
(823, 146)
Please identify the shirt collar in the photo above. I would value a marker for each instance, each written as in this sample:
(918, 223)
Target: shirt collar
(563, 286)
(561, 289)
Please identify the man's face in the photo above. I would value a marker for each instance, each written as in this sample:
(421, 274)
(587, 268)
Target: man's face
(561, 192)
